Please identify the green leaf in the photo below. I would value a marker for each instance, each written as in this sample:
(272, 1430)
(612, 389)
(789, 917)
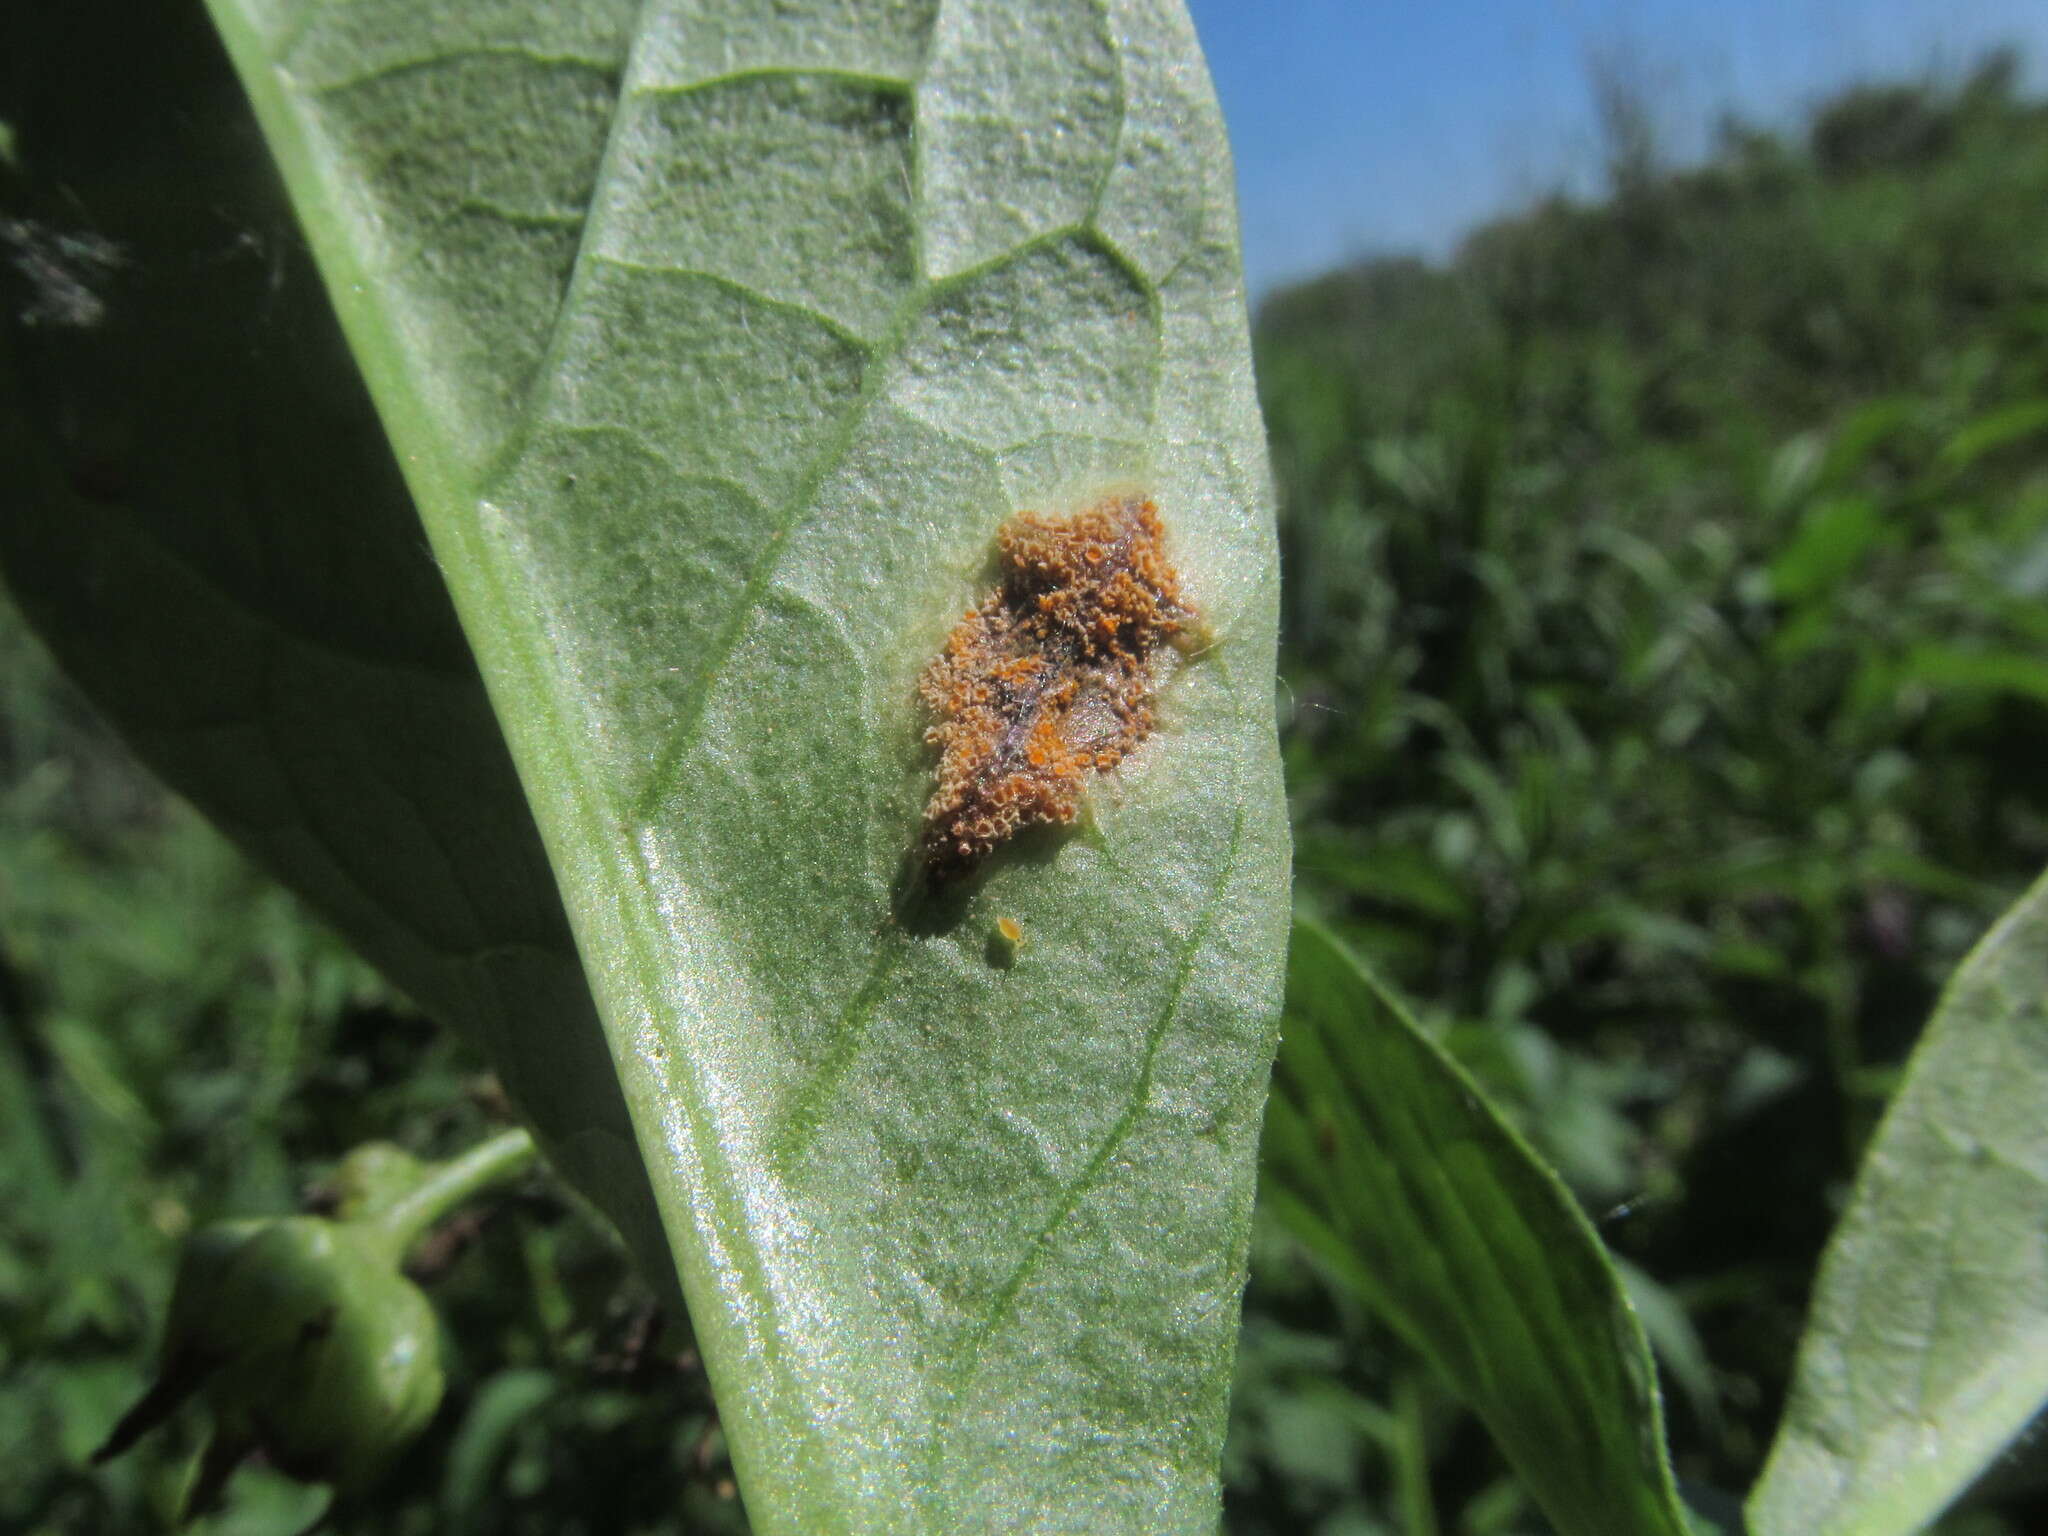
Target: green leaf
(502, 1405)
(712, 381)
(1832, 537)
(210, 531)
(1994, 430)
(1954, 668)
(1385, 1158)
(1927, 1347)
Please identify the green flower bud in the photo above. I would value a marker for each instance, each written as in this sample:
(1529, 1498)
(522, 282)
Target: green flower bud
(303, 1334)
(373, 1178)
(306, 1341)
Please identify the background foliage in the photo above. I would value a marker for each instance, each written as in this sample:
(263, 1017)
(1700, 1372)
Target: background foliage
(1666, 700)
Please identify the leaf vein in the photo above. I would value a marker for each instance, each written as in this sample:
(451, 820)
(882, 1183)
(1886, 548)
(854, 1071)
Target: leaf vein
(269, 623)
(523, 218)
(892, 84)
(808, 1103)
(694, 706)
(968, 1358)
(427, 62)
(737, 289)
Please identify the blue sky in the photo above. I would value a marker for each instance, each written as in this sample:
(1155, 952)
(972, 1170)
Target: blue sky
(1396, 125)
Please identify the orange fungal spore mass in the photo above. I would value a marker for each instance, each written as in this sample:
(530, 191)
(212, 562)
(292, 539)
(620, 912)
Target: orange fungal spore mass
(1049, 680)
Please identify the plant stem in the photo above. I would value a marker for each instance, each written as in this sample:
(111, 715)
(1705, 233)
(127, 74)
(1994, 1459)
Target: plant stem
(496, 1161)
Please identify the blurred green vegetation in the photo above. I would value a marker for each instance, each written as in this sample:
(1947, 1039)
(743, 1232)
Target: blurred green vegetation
(1666, 707)
(180, 1042)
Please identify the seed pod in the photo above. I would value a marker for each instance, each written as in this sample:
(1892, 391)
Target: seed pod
(306, 1341)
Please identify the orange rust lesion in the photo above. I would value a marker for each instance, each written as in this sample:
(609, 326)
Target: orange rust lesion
(1050, 679)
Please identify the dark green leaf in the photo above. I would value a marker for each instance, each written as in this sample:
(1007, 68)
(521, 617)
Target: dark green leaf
(1832, 537)
(1994, 430)
(209, 529)
(501, 1406)
(1386, 1159)
(1950, 667)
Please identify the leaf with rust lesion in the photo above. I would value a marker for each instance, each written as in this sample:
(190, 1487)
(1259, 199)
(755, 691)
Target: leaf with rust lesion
(722, 336)
(1050, 679)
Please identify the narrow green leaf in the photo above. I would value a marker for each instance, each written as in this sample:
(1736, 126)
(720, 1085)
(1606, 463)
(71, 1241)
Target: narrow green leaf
(1832, 537)
(501, 1406)
(713, 383)
(1927, 1347)
(1951, 667)
(1994, 430)
(1385, 1158)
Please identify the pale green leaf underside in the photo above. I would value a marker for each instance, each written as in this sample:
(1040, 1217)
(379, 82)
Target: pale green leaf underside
(713, 383)
(1927, 1348)
(1387, 1160)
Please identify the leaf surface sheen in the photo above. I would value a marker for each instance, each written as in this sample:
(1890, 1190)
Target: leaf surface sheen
(711, 469)
(1927, 1346)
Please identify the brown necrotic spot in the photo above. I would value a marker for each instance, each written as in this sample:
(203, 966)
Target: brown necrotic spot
(1049, 680)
